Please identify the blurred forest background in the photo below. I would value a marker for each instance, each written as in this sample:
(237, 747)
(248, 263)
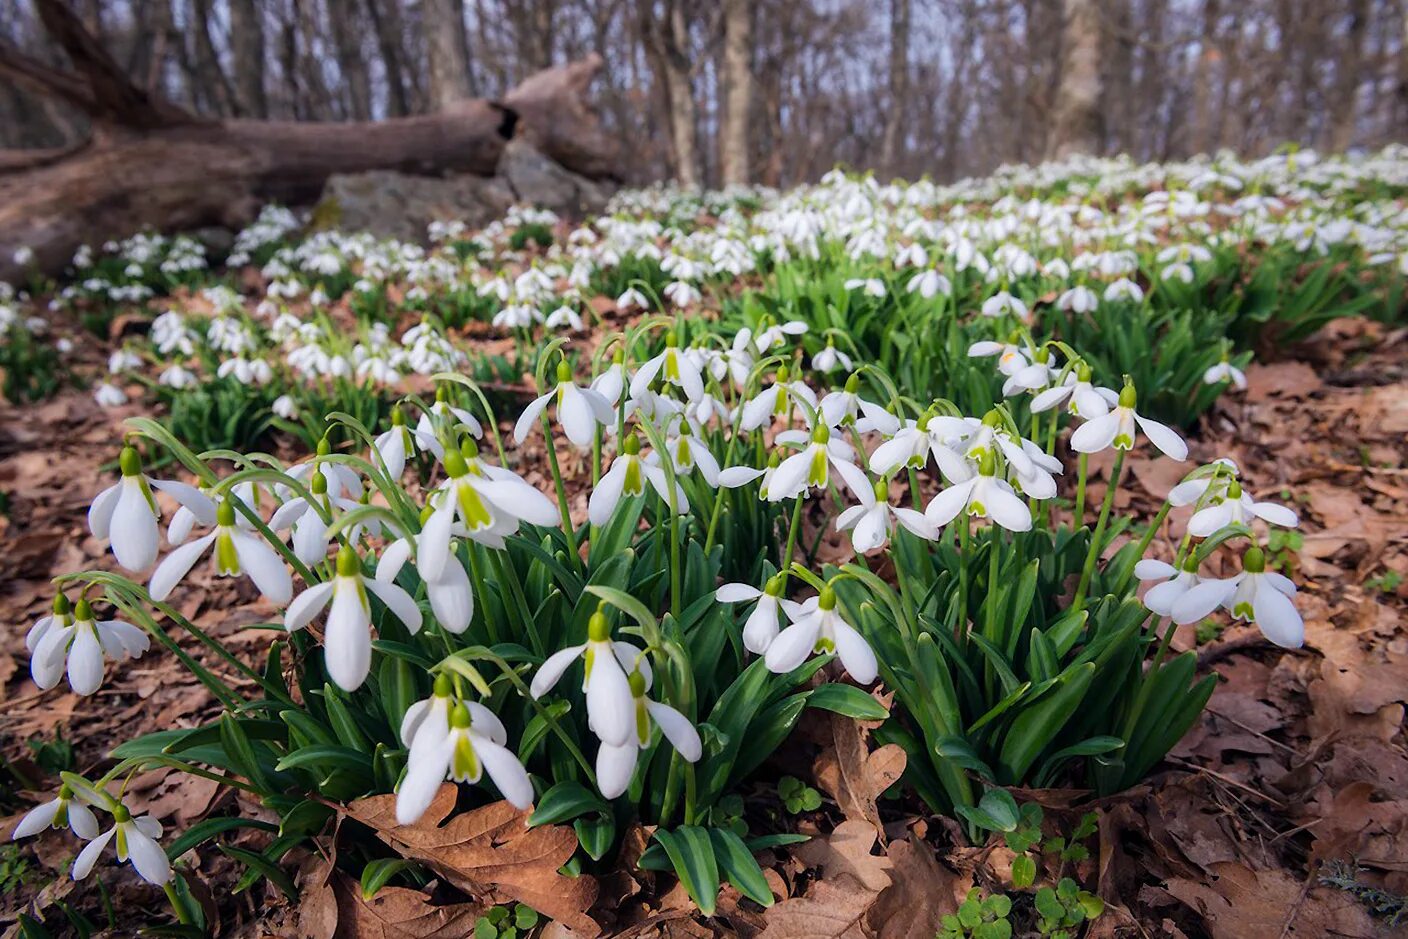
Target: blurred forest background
(779, 91)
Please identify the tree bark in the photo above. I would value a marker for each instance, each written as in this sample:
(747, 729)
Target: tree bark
(444, 42)
(669, 35)
(387, 24)
(738, 91)
(1075, 126)
(892, 142)
(1347, 74)
(152, 164)
(347, 35)
(247, 45)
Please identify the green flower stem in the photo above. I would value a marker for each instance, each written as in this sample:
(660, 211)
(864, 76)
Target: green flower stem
(791, 539)
(567, 530)
(1093, 554)
(477, 575)
(177, 907)
(1146, 680)
(965, 543)
(530, 625)
(1144, 544)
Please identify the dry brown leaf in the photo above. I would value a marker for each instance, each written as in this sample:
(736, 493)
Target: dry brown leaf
(335, 910)
(852, 775)
(847, 851)
(832, 909)
(490, 853)
(1240, 903)
(921, 891)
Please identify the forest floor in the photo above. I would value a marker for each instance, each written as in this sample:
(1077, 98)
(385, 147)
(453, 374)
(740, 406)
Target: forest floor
(1283, 813)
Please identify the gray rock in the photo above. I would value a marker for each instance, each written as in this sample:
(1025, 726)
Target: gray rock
(217, 241)
(538, 180)
(396, 205)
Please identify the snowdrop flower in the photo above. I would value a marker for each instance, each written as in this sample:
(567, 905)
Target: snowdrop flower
(1079, 299)
(1117, 429)
(342, 479)
(347, 642)
(1124, 289)
(446, 418)
(1011, 358)
(800, 473)
(674, 367)
(123, 360)
(870, 286)
(109, 395)
(489, 502)
(1037, 478)
(929, 284)
(1081, 397)
(761, 627)
(69, 809)
(1211, 481)
(79, 645)
(430, 714)
(1172, 584)
(474, 743)
(735, 476)
(565, 316)
(873, 521)
(626, 478)
(615, 765)
(681, 293)
(632, 299)
(236, 552)
(610, 704)
(841, 407)
(983, 496)
(1003, 303)
(774, 401)
(394, 446)
(451, 595)
(285, 407)
(579, 410)
(126, 513)
(830, 358)
(136, 842)
(775, 334)
(820, 628)
(310, 531)
(1255, 595)
(176, 377)
(610, 383)
(1225, 371)
(688, 453)
(1235, 507)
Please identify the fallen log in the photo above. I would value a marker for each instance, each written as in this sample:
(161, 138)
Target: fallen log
(151, 164)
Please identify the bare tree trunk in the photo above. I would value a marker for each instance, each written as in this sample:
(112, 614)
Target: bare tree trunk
(247, 44)
(448, 70)
(893, 140)
(347, 36)
(1076, 119)
(1209, 59)
(738, 89)
(670, 40)
(1347, 75)
(386, 21)
(209, 68)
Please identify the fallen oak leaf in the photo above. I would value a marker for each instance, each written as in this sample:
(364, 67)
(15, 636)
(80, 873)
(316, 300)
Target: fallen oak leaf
(394, 913)
(489, 853)
(921, 891)
(1239, 903)
(831, 909)
(846, 851)
(852, 775)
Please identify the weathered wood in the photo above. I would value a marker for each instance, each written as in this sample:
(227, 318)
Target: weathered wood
(150, 164)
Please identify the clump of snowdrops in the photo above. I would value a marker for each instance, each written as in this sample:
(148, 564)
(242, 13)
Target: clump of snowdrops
(446, 621)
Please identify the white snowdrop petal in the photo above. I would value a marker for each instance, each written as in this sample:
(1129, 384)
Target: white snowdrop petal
(147, 857)
(615, 765)
(855, 653)
(1163, 437)
(524, 425)
(1278, 619)
(399, 602)
(175, 566)
(306, 606)
(506, 772)
(610, 706)
(736, 593)
(85, 662)
(36, 820)
(83, 864)
(551, 670)
(133, 535)
(347, 643)
(264, 567)
(1153, 568)
(677, 729)
(792, 646)
(1096, 434)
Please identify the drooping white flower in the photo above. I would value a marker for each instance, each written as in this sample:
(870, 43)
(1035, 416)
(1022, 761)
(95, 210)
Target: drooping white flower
(68, 809)
(761, 627)
(1081, 398)
(929, 284)
(136, 842)
(673, 367)
(236, 552)
(873, 522)
(473, 744)
(347, 641)
(870, 286)
(489, 502)
(983, 496)
(1003, 303)
(579, 410)
(342, 479)
(776, 400)
(829, 359)
(1011, 358)
(1079, 299)
(396, 445)
(775, 334)
(610, 704)
(626, 478)
(841, 407)
(1225, 371)
(445, 418)
(1172, 583)
(109, 395)
(820, 628)
(811, 469)
(1117, 429)
(1234, 506)
(126, 513)
(1255, 595)
(430, 714)
(310, 531)
(616, 763)
(451, 595)
(80, 646)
